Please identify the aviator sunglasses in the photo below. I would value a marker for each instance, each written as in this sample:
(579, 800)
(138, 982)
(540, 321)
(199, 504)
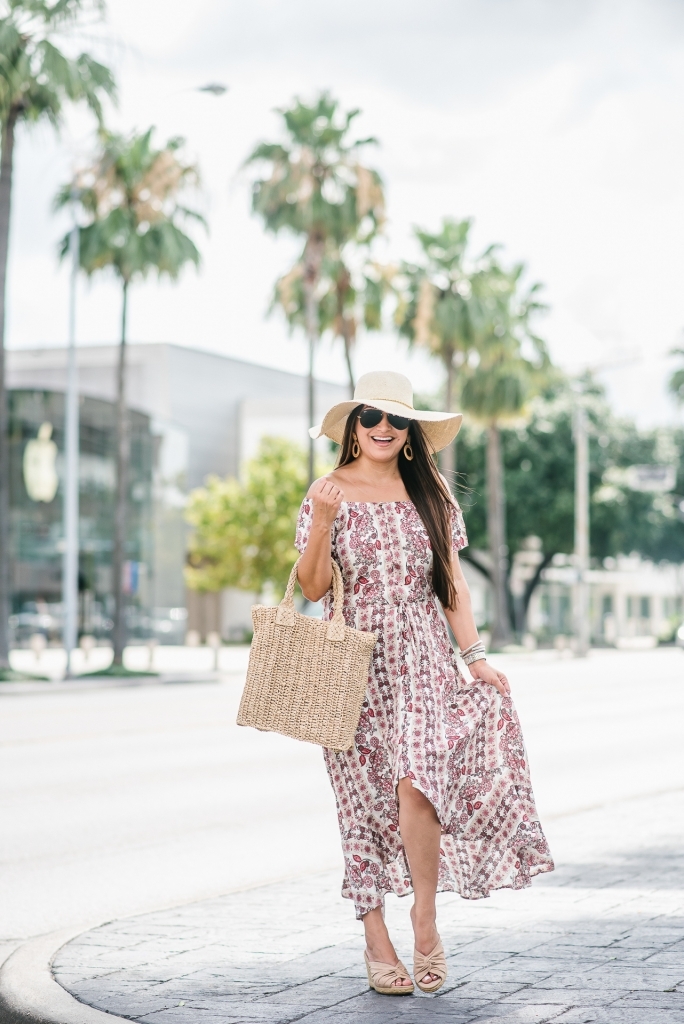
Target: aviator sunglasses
(371, 417)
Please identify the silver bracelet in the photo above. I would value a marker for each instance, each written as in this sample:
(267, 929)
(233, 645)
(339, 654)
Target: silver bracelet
(476, 652)
(478, 643)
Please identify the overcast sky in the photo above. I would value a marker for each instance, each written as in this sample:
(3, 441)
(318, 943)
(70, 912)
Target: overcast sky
(557, 124)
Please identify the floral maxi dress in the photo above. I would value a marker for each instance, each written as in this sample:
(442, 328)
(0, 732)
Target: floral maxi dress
(458, 741)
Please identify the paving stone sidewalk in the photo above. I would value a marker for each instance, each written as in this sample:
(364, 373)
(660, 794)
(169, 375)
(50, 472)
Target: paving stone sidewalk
(599, 940)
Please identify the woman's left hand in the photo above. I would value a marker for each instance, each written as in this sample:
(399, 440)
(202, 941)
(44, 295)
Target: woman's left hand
(484, 671)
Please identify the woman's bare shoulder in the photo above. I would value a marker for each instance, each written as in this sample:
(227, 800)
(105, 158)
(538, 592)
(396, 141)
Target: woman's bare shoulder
(339, 476)
(331, 477)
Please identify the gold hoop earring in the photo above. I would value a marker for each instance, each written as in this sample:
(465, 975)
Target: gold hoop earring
(356, 448)
(408, 450)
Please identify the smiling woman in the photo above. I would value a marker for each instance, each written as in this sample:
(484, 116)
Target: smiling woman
(435, 791)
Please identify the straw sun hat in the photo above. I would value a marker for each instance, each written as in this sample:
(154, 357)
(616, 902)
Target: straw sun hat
(391, 392)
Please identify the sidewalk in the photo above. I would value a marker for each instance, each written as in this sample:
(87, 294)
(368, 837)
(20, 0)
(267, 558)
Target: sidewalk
(168, 660)
(172, 665)
(600, 940)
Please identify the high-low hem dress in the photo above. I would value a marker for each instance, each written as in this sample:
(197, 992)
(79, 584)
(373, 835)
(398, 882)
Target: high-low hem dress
(458, 740)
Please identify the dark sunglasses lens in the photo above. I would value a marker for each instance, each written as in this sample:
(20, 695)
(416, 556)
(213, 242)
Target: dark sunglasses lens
(398, 422)
(370, 418)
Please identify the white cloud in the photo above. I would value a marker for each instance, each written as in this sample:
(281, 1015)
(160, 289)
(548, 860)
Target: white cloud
(557, 126)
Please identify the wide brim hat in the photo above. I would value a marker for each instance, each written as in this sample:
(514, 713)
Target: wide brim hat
(392, 393)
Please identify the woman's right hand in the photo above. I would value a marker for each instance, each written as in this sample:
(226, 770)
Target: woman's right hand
(327, 498)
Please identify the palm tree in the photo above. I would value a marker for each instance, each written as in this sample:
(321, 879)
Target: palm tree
(675, 384)
(36, 81)
(510, 367)
(346, 299)
(130, 198)
(316, 188)
(441, 303)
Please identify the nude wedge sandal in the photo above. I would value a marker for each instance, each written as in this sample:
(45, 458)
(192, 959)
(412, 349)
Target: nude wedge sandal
(383, 977)
(433, 963)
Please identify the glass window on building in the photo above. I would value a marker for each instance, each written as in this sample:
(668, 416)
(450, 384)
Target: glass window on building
(644, 607)
(565, 614)
(36, 432)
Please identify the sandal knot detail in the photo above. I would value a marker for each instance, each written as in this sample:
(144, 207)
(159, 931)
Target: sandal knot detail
(433, 963)
(383, 977)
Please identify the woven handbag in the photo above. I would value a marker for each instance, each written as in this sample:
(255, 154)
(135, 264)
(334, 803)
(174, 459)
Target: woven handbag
(306, 678)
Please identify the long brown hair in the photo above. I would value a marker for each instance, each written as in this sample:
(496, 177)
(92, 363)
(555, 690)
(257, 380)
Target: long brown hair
(429, 493)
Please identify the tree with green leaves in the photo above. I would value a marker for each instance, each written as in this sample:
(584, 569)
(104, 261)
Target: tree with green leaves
(512, 366)
(316, 188)
(243, 531)
(472, 315)
(348, 298)
(441, 304)
(539, 467)
(37, 81)
(130, 198)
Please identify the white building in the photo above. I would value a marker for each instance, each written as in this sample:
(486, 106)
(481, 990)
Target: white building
(206, 414)
(633, 602)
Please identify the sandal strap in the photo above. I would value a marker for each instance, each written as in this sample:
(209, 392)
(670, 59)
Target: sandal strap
(433, 963)
(386, 975)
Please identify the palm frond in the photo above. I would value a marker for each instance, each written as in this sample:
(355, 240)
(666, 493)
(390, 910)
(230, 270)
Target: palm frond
(36, 77)
(130, 199)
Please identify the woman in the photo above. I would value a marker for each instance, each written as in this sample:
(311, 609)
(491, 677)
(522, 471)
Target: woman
(435, 794)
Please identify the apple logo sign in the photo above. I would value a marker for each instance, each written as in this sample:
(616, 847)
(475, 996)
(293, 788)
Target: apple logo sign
(40, 474)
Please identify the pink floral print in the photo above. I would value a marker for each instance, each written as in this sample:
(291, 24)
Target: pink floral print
(458, 741)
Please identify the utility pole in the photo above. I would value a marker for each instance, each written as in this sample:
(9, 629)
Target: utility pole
(582, 630)
(71, 447)
(581, 435)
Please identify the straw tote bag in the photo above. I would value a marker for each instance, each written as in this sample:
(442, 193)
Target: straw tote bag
(306, 678)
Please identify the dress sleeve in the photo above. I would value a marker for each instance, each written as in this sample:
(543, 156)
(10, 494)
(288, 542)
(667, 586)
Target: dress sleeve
(304, 521)
(459, 538)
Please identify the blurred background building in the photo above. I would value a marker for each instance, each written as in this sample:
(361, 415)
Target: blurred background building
(191, 414)
(633, 603)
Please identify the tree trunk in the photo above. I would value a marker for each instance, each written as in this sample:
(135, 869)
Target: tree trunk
(496, 529)
(345, 324)
(446, 458)
(122, 454)
(347, 356)
(313, 257)
(5, 207)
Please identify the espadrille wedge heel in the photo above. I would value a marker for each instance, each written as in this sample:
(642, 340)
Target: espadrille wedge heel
(384, 977)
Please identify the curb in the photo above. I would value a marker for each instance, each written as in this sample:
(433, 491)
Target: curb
(30, 995)
(93, 683)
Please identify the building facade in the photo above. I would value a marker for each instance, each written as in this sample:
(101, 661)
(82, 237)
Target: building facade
(192, 414)
(632, 602)
(36, 447)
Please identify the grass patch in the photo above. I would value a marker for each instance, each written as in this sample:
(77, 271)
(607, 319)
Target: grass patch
(116, 672)
(8, 675)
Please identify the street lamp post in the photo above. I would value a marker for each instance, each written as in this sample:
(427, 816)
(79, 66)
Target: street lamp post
(582, 630)
(71, 447)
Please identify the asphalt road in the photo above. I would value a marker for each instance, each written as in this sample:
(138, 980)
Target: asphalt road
(125, 800)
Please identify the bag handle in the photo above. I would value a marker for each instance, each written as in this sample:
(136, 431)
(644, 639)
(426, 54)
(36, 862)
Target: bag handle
(285, 616)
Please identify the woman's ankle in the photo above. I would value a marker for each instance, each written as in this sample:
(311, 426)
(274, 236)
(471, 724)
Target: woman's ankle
(377, 936)
(423, 916)
(424, 921)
